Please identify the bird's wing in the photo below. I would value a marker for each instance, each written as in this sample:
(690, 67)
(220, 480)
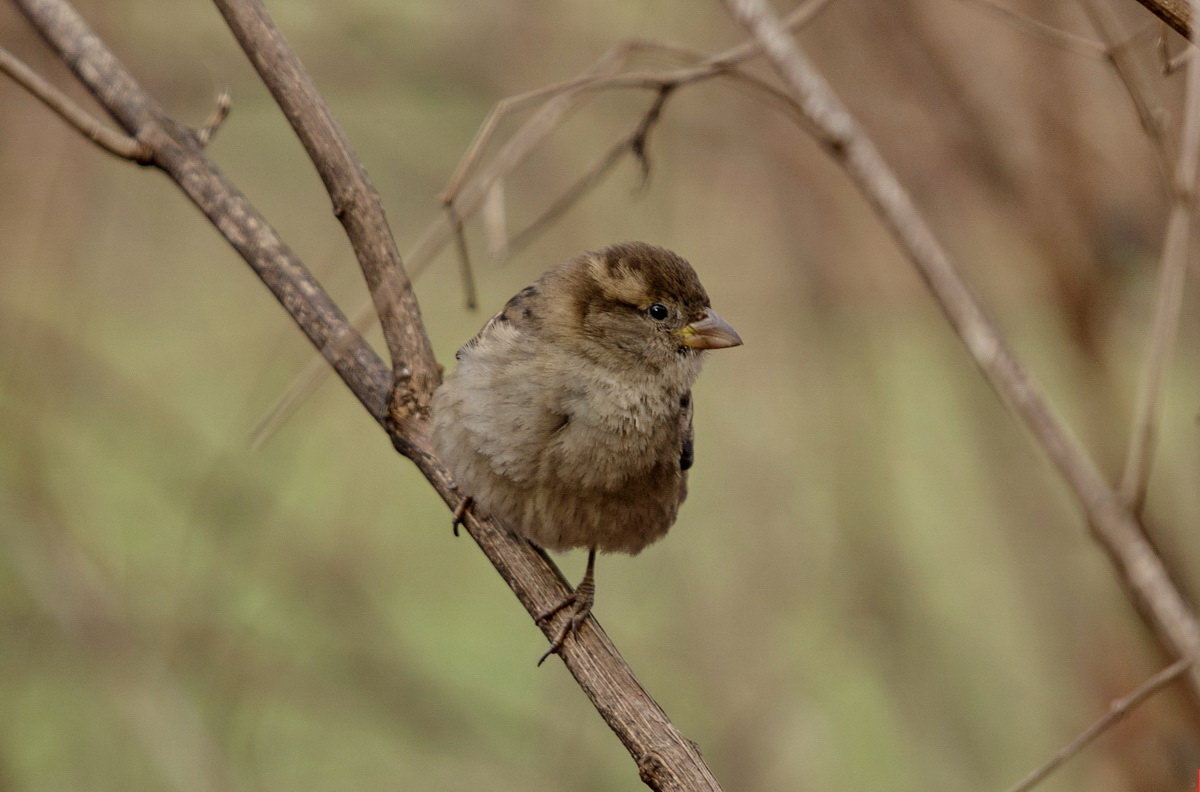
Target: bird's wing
(515, 312)
(687, 450)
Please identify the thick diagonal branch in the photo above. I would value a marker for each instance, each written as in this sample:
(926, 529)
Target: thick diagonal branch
(1113, 525)
(666, 760)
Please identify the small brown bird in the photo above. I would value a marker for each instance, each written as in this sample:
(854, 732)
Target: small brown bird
(569, 416)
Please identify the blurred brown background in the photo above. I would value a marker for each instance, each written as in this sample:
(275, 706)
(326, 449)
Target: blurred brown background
(878, 581)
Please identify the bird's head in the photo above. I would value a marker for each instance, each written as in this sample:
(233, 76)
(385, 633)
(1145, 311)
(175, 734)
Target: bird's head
(637, 305)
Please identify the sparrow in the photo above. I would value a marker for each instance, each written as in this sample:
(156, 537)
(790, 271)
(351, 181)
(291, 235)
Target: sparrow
(568, 417)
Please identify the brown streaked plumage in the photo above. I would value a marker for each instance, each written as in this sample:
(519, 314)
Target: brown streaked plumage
(569, 415)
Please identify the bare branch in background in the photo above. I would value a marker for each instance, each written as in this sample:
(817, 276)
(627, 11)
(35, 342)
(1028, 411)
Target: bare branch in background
(634, 143)
(1118, 710)
(590, 179)
(1168, 303)
(1137, 564)
(88, 125)
(302, 385)
(1059, 38)
(464, 257)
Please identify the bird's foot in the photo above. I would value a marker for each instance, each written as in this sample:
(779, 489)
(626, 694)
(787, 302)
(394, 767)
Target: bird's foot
(578, 605)
(460, 512)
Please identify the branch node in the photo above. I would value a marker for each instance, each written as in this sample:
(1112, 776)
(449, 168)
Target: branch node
(837, 145)
(141, 150)
(344, 204)
(651, 768)
(111, 140)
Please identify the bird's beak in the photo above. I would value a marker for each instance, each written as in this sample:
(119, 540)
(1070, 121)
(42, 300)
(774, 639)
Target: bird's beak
(709, 332)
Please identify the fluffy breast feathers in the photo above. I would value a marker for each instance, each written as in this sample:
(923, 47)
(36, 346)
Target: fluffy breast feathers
(569, 415)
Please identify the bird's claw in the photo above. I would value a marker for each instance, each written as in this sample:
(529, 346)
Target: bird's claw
(460, 512)
(580, 604)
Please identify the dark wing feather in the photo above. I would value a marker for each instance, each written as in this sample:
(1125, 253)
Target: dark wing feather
(687, 451)
(518, 310)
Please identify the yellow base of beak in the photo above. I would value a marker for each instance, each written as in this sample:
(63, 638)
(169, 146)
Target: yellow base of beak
(709, 332)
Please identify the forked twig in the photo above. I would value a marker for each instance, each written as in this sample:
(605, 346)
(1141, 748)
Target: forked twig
(219, 114)
(603, 74)
(1116, 711)
(1118, 54)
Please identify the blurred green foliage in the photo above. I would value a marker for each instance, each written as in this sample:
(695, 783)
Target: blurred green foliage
(878, 582)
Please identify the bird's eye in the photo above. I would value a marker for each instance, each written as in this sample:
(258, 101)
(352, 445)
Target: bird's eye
(658, 311)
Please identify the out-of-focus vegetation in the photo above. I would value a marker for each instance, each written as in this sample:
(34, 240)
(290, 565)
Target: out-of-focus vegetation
(877, 583)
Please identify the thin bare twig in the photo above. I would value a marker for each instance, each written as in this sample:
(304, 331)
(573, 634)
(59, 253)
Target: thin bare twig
(206, 133)
(559, 98)
(591, 177)
(1059, 38)
(88, 125)
(315, 372)
(464, 257)
(1116, 711)
(1167, 305)
(634, 143)
(1116, 530)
